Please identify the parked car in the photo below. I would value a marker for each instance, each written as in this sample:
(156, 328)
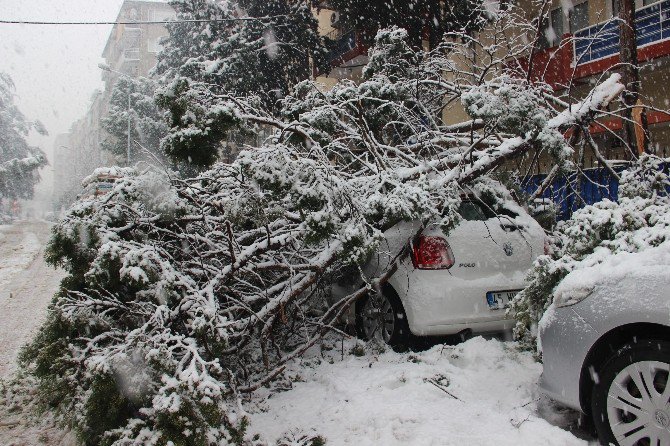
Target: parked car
(606, 347)
(450, 284)
(96, 185)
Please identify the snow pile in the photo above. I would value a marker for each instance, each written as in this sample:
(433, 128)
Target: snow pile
(482, 392)
(601, 241)
(647, 264)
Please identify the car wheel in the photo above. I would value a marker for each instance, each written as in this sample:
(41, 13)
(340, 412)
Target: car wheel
(382, 317)
(631, 400)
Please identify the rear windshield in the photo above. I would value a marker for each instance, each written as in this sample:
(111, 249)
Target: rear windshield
(471, 211)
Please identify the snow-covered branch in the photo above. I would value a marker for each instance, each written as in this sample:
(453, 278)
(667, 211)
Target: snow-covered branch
(219, 278)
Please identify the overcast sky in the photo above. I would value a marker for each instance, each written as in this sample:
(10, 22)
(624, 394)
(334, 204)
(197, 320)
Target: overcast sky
(55, 68)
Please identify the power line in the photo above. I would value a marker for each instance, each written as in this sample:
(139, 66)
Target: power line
(158, 22)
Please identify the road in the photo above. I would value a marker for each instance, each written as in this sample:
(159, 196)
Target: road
(27, 284)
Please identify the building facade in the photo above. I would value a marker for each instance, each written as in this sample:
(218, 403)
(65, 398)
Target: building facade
(579, 45)
(130, 50)
(350, 51)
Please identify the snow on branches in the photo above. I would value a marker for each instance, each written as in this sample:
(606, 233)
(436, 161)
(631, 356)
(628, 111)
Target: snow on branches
(594, 236)
(19, 161)
(185, 293)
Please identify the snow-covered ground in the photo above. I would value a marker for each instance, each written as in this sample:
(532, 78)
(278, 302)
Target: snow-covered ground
(26, 286)
(482, 392)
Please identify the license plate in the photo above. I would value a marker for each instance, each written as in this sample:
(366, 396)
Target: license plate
(500, 299)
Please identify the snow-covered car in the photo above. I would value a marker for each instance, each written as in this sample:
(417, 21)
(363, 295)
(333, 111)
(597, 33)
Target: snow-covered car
(605, 345)
(450, 284)
(102, 181)
(100, 186)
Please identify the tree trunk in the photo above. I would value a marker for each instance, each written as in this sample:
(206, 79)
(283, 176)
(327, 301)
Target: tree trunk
(631, 79)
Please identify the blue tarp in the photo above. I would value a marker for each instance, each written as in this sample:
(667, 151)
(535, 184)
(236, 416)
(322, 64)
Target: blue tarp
(574, 191)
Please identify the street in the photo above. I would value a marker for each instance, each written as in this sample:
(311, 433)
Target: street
(27, 284)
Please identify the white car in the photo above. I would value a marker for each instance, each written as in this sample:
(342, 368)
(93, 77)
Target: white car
(451, 284)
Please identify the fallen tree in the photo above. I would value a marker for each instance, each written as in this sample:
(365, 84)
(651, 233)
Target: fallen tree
(183, 294)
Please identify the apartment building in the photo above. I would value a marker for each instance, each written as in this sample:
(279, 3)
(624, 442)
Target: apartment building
(579, 45)
(131, 48)
(77, 153)
(63, 184)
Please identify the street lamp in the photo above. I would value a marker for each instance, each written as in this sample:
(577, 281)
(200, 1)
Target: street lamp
(110, 70)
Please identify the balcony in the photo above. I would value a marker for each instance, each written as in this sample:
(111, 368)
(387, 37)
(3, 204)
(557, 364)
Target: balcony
(596, 48)
(131, 37)
(347, 45)
(131, 55)
(345, 42)
(552, 65)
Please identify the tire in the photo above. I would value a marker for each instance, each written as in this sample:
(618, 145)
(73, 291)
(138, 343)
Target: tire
(630, 403)
(382, 317)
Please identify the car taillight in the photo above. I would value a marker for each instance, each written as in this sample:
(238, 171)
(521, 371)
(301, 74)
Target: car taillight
(430, 252)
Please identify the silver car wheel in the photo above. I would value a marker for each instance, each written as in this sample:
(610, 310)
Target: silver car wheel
(378, 318)
(638, 404)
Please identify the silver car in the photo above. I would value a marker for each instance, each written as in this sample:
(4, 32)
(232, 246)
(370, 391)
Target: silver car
(606, 352)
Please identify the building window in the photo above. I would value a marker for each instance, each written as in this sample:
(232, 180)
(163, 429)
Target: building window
(616, 4)
(638, 4)
(132, 41)
(554, 25)
(161, 16)
(552, 29)
(579, 17)
(132, 14)
(154, 45)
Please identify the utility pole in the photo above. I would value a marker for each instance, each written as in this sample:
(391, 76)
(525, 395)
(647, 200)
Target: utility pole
(635, 128)
(128, 139)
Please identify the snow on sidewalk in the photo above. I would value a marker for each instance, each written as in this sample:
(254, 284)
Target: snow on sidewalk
(17, 252)
(482, 392)
(27, 285)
